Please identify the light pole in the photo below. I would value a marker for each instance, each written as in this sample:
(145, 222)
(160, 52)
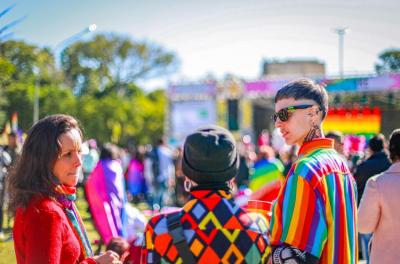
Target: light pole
(341, 32)
(36, 70)
(36, 96)
(66, 42)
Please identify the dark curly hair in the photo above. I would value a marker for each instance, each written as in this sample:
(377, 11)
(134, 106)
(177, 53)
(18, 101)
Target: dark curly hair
(33, 172)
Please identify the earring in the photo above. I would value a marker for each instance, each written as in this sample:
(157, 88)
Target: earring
(187, 185)
(231, 185)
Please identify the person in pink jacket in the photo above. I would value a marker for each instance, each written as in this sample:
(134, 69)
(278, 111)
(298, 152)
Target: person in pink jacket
(379, 210)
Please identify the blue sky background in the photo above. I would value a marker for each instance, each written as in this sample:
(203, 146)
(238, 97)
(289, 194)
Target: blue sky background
(226, 36)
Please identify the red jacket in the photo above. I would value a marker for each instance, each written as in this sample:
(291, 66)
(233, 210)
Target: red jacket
(42, 234)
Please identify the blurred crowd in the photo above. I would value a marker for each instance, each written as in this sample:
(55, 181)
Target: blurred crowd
(150, 177)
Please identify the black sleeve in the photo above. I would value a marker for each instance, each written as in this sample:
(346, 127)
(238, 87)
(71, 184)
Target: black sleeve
(288, 254)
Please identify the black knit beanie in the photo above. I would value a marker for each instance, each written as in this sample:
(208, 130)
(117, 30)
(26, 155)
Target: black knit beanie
(210, 155)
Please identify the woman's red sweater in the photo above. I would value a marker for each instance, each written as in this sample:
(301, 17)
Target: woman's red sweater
(42, 234)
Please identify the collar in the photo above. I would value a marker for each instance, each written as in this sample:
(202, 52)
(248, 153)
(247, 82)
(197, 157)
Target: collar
(311, 146)
(394, 168)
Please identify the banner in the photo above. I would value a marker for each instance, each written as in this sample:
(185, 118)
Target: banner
(353, 121)
(186, 116)
(191, 91)
(363, 84)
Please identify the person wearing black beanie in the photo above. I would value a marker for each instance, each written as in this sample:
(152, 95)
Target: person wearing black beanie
(210, 158)
(210, 228)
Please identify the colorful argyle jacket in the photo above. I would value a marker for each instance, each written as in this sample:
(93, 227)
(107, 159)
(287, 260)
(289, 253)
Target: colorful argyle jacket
(316, 208)
(216, 230)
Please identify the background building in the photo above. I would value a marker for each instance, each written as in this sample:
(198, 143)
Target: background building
(292, 68)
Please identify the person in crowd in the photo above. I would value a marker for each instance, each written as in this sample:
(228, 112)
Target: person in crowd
(148, 173)
(5, 163)
(377, 162)
(263, 139)
(105, 189)
(89, 159)
(163, 171)
(181, 194)
(379, 211)
(113, 216)
(210, 228)
(47, 226)
(13, 148)
(134, 175)
(266, 169)
(243, 175)
(314, 217)
(288, 157)
(338, 141)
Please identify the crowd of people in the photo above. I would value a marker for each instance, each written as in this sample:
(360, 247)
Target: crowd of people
(197, 194)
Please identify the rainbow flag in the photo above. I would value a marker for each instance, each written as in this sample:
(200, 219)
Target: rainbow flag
(14, 122)
(354, 121)
(265, 171)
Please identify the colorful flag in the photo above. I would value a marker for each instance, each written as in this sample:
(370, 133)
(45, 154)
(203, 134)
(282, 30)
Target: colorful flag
(14, 122)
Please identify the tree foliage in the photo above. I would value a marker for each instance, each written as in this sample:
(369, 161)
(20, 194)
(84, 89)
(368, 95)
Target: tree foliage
(96, 84)
(113, 61)
(6, 72)
(389, 61)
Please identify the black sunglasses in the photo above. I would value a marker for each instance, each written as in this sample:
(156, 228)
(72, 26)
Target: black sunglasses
(284, 113)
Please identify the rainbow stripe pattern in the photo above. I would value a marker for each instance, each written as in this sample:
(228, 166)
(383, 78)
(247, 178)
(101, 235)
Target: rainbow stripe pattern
(316, 208)
(265, 171)
(66, 197)
(354, 121)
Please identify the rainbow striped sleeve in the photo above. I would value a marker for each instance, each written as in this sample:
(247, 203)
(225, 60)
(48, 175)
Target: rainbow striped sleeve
(298, 217)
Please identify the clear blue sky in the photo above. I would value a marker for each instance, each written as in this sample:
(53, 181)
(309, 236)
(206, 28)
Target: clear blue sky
(226, 36)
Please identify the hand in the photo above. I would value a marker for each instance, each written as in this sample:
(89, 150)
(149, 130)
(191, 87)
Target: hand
(108, 257)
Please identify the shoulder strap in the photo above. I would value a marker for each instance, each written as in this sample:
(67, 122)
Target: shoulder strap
(176, 231)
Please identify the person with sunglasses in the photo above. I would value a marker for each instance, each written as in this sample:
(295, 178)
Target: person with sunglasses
(314, 217)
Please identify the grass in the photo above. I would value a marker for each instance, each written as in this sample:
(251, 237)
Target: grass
(7, 254)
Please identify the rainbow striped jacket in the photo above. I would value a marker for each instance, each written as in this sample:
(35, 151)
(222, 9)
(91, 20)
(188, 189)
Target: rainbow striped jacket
(316, 210)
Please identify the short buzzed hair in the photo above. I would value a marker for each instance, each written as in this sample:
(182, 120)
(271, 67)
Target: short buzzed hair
(394, 145)
(305, 89)
(377, 143)
(335, 135)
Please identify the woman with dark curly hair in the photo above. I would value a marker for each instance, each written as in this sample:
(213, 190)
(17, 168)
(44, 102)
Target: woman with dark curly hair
(47, 226)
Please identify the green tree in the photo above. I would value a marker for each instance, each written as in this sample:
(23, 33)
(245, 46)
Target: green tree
(6, 72)
(389, 61)
(20, 100)
(113, 61)
(119, 112)
(29, 59)
(52, 100)
(22, 67)
(111, 117)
